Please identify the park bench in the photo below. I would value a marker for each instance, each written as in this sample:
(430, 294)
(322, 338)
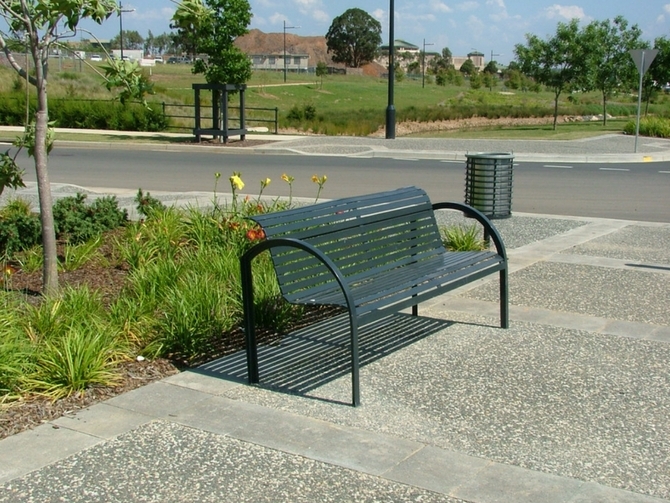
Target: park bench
(374, 255)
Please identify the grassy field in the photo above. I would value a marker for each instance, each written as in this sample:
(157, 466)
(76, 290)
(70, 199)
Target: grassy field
(354, 104)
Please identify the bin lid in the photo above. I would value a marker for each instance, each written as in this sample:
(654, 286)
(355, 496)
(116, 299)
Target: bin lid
(490, 155)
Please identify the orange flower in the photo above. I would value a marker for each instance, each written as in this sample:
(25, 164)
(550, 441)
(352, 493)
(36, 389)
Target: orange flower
(255, 234)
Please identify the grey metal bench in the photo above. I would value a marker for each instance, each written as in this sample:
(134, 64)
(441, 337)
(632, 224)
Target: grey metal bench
(373, 255)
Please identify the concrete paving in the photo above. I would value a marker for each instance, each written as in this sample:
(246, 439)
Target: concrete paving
(570, 404)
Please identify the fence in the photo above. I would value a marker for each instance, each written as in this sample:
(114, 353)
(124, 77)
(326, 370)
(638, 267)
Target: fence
(253, 115)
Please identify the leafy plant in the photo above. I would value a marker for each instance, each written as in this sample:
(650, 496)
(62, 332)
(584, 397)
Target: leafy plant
(75, 256)
(79, 359)
(147, 204)
(77, 222)
(462, 238)
(650, 126)
(18, 231)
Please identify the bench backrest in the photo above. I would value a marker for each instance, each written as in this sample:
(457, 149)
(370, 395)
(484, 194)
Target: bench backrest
(381, 231)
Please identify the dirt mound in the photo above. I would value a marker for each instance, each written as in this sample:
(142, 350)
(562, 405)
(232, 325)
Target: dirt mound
(258, 42)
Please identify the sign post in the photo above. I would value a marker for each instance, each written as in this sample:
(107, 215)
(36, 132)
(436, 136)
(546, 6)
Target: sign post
(643, 59)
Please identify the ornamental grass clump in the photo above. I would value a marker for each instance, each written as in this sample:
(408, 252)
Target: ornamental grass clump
(181, 298)
(462, 238)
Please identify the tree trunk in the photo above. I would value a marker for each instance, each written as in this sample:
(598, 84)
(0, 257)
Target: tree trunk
(50, 268)
(604, 109)
(556, 95)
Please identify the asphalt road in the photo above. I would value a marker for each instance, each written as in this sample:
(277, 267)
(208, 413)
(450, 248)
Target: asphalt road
(626, 191)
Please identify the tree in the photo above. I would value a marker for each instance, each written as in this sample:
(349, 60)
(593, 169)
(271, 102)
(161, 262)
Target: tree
(321, 70)
(190, 20)
(443, 62)
(556, 62)
(40, 24)
(446, 55)
(490, 80)
(468, 68)
(609, 63)
(491, 68)
(658, 75)
(414, 67)
(162, 42)
(212, 27)
(354, 38)
(476, 80)
(131, 40)
(35, 26)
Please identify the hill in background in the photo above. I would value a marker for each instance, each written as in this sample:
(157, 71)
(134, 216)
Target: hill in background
(258, 42)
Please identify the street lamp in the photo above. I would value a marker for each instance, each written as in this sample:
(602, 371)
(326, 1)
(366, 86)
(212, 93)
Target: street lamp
(286, 28)
(423, 64)
(390, 109)
(121, 11)
(492, 54)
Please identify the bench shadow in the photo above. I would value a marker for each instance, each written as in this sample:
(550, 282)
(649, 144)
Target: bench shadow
(308, 358)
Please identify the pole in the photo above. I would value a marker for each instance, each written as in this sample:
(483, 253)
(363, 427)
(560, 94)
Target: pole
(284, 50)
(639, 103)
(390, 109)
(121, 28)
(423, 64)
(286, 28)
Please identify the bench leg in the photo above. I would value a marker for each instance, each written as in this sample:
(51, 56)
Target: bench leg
(355, 364)
(504, 299)
(249, 328)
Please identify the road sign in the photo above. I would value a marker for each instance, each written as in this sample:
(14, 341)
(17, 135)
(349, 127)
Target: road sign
(643, 58)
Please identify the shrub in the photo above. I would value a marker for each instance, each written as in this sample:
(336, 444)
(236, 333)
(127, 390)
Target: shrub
(650, 126)
(77, 222)
(19, 228)
(147, 205)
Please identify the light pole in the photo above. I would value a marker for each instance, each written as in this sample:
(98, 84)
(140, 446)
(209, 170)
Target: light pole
(121, 11)
(390, 109)
(286, 28)
(492, 54)
(423, 64)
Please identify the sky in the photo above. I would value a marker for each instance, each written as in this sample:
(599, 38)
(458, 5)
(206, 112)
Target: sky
(487, 26)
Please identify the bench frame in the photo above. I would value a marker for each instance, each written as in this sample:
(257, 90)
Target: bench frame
(272, 243)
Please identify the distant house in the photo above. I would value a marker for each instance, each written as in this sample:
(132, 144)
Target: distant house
(476, 57)
(294, 62)
(400, 45)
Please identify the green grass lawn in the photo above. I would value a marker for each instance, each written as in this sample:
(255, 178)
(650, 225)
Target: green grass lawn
(346, 104)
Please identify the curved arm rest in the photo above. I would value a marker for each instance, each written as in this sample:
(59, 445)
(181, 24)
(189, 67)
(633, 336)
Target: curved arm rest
(483, 219)
(249, 255)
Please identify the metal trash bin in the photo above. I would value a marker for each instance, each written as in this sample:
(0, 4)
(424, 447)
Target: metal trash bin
(488, 183)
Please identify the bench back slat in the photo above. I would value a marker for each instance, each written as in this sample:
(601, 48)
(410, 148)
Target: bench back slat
(378, 232)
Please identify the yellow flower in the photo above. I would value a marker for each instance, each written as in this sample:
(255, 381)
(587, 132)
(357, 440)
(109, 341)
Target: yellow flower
(265, 182)
(287, 179)
(315, 179)
(236, 182)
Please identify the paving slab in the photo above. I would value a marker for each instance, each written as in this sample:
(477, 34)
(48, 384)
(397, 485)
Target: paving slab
(569, 403)
(163, 461)
(626, 295)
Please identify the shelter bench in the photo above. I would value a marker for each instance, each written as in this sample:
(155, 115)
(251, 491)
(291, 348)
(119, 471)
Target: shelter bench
(373, 255)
